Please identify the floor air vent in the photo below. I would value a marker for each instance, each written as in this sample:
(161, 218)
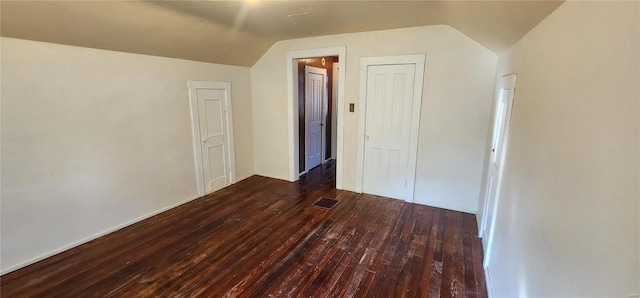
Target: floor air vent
(326, 203)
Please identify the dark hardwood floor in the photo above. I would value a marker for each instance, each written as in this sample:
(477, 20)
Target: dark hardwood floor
(262, 237)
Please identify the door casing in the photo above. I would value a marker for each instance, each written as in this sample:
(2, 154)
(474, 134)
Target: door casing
(195, 122)
(334, 109)
(293, 127)
(508, 82)
(419, 61)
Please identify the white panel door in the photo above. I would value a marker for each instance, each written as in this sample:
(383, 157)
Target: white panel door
(314, 115)
(501, 125)
(212, 112)
(388, 127)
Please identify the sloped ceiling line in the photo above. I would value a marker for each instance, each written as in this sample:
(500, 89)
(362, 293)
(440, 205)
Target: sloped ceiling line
(239, 32)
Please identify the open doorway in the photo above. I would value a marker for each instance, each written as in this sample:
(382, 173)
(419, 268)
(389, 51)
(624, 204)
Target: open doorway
(316, 74)
(316, 97)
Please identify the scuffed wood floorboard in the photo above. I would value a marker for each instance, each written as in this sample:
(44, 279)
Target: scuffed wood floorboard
(262, 237)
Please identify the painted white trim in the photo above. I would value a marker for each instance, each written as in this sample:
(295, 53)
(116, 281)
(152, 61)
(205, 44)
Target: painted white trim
(334, 108)
(272, 176)
(92, 237)
(195, 135)
(325, 113)
(296, 98)
(294, 153)
(487, 282)
(230, 137)
(195, 124)
(394, 60)
(485, 209)
(507, 82)
(365, 62)
(415, 118)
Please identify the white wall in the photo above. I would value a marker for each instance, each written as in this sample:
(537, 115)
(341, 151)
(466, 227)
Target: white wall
(567, 221)
(92, 139)
(458, 88)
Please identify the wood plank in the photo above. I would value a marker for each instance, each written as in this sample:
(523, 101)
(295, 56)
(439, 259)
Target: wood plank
(263, 237)
(394, 257)
(340, 235)
(410, 284)
(453, 263)
(436, 268)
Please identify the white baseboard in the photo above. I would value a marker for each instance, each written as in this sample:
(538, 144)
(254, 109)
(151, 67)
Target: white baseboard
(92, 237)
(470, 211)
(273, 177)
(487, 281)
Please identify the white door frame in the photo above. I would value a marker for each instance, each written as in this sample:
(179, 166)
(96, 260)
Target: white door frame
(508, 81)
(365, 62)
(334, 109)
(294, 151)
(325, 101)
(195, 124)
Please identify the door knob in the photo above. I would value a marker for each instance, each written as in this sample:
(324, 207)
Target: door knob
(204, 140)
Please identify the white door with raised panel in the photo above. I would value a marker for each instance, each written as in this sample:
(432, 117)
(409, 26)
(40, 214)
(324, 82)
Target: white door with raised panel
(315, 85)
(389, 124)
(501, 124)
(212, 124)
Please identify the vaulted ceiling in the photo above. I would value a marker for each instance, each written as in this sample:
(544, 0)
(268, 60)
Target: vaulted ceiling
(239, 32)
